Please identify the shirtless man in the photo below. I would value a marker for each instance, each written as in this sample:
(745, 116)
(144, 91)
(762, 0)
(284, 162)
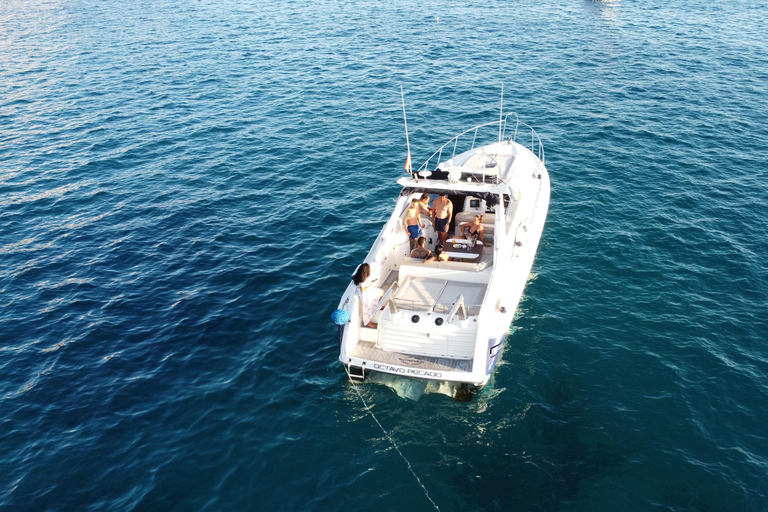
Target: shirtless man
(411, 222)
(443, 211)
(421, 252)
(438, 255)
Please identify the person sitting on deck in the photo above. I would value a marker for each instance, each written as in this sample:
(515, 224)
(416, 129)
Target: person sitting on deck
(438, 255)
(474, 229)
(421, 252)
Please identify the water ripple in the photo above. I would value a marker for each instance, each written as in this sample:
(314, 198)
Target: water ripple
(185, 190)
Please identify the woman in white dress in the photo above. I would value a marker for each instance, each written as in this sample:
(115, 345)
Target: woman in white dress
(367, 291)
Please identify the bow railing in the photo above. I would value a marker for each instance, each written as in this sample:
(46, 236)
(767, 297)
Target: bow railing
(537, 148)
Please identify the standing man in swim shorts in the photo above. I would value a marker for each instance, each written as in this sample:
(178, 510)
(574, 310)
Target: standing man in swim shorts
(443, 212)
(411, 222)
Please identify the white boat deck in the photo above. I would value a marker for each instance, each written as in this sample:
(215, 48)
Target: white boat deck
(439, 295)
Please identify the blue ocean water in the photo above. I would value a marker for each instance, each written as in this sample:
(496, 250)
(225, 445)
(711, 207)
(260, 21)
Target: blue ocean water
(186, 187)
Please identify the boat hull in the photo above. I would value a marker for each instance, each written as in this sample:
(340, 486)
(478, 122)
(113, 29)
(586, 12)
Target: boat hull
(511, 286)
(449, 322)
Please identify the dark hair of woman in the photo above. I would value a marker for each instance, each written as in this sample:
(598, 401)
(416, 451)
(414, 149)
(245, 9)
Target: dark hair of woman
(438, 250)
(363, 272)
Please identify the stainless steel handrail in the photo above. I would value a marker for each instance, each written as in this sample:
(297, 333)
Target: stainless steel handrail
(460, 308)
(537, 147)
(386, 300)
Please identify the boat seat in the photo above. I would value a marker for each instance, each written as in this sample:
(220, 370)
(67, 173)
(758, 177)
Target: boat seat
(488, 224)
(447, 265)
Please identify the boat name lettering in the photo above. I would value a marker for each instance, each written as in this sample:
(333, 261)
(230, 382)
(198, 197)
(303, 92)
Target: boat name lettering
(406, 371)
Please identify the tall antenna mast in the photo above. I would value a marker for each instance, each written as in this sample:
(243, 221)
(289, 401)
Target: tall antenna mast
(408, 166)
(501, 113)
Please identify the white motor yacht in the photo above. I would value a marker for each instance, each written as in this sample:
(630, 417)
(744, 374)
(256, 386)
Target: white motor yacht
(445, 322)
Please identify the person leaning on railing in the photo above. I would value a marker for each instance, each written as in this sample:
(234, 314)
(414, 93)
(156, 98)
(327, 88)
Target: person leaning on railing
(367, 291)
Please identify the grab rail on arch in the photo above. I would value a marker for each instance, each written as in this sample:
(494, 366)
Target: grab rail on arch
(536, 145)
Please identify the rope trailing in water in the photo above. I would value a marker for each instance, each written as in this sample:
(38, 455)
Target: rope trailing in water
(391, 440)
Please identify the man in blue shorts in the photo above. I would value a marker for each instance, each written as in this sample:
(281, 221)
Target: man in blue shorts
(443, 211)
(411, 222)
